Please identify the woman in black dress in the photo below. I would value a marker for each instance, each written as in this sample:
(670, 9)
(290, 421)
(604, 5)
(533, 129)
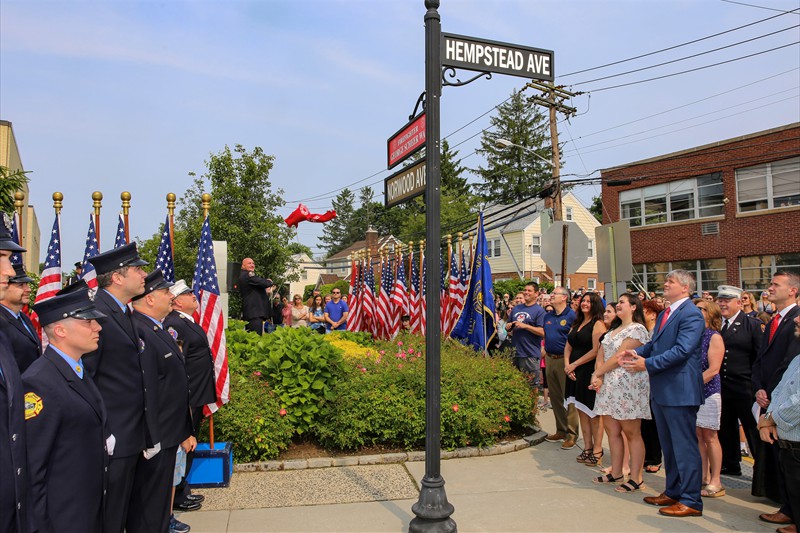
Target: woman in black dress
(580, 352)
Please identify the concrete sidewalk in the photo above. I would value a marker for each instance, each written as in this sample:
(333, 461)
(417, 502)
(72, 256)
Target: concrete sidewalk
(541, 488)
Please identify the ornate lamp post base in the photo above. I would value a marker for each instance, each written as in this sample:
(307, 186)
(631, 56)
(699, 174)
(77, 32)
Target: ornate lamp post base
(432, 509)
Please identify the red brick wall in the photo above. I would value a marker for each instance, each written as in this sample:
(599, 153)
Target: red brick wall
(764, 233)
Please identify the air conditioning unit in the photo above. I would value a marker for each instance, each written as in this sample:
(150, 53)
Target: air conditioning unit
(710, 228)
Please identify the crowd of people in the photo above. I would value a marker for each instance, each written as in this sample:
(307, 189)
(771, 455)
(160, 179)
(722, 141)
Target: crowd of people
(264, 311)
(101, 414)
(687, 381)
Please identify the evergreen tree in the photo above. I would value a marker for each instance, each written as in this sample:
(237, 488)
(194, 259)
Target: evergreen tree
(512, 173)
(452, 181)
(340, 232)
(597, 208)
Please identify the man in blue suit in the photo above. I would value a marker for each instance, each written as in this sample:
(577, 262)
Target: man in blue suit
(673, 361)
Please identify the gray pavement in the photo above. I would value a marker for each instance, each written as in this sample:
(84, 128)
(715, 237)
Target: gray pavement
(541, 488)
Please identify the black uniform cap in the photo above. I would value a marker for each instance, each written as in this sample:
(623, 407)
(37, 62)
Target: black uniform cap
(112, 260)
(153, 282)
(70, 304)
(21, 276)
(6, 240)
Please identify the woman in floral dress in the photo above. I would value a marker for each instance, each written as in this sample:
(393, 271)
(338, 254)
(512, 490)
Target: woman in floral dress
(623, 398)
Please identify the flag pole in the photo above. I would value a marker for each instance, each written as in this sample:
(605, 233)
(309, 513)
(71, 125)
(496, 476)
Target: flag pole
(171, 211)
(19, 203)
(205, 202)
(126, 208)
(97, 199)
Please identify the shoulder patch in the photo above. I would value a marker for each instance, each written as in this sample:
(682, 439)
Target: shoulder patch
(33, 405)
(172, 332)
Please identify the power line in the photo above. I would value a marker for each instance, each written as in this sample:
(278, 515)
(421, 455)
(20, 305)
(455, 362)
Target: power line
(688, 119)
(689, 57)
(677, 45)
(695, 69)
(759, 7)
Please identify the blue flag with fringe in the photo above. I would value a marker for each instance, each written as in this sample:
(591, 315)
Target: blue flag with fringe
(476, 326)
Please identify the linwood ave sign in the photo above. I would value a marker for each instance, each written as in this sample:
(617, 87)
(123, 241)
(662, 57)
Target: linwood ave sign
(481, 55)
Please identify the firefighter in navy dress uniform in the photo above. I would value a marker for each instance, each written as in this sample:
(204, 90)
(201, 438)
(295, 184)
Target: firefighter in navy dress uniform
(21, 333)
(65, 420)
(13, 463)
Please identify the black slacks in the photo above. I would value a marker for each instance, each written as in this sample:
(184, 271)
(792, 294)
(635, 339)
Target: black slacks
(121, 473)
(733, 410)
(789, 461)
(152, 492)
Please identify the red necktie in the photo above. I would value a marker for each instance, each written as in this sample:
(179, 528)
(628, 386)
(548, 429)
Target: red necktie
(773, 327)
(664, 318)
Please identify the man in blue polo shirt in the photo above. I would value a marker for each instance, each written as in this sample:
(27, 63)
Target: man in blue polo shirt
(557, 324)
(525, 328)
(336, 312)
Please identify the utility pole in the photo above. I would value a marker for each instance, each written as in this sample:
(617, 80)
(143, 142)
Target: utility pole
(553, 98)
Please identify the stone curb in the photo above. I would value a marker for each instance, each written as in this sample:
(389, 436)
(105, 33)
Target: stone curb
(390, 458)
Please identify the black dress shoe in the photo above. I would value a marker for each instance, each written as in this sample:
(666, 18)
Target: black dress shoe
(730, 472)
(197, 498)
(187, 506)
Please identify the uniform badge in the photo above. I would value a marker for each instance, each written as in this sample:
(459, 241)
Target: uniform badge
(563, 322)
(33, 405)
(141, 345)
(172, 332)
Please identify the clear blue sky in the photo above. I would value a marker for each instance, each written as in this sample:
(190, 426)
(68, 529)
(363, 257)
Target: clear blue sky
(116, 96)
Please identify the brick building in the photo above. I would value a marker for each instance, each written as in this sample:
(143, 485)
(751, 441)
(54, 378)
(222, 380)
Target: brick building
(728, 211)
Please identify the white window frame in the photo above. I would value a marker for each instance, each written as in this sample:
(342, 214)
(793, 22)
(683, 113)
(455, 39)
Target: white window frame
(591, 284)
(591, 248)
(773, 267)
(793, 164)
(536, 244)
(493, 248)
(641, 272)
(569, 214)
(637, 199)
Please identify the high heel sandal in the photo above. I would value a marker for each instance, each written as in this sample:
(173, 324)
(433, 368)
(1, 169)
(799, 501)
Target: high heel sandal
(594, 459)
(584, 456)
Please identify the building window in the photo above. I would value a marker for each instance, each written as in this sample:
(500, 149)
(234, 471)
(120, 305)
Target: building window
(675, 201)
(768, 186)
(709, 273)
(304, 274)
(536, 246)
(493, 246)
(591, 284)
(756, 271)
(591, 248)
(569, 213)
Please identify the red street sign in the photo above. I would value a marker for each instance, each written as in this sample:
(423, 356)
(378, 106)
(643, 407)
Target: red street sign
(409, 140)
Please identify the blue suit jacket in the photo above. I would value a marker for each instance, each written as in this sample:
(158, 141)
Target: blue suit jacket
(673, 358)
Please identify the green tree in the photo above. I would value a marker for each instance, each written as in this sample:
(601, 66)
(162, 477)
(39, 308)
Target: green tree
(10, 182)
(243, 212)
(514, 173)
(597, 208)
(340, 232)
(299, 248)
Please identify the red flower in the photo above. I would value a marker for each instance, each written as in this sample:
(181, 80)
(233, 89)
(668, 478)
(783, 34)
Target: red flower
(455, 407)
(507, 418)
(282, 412)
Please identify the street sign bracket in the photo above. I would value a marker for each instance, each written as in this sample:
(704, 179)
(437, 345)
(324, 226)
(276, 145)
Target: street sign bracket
(452, 73)
(420, 102)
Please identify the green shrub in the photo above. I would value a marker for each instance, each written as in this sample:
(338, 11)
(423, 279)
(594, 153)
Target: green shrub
(300, 366)
(382, 401)
(252, 421)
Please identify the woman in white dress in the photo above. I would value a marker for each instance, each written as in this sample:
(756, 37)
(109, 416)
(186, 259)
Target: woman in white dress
(623, 397)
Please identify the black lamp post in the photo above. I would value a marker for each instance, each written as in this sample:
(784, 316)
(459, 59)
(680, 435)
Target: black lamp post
(432, 510)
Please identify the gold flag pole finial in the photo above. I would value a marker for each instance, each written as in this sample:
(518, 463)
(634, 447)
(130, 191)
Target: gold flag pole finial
(126, 208)
(171, 211)
(58, 199)
(206, 203)
(97, 202)
(19, 203)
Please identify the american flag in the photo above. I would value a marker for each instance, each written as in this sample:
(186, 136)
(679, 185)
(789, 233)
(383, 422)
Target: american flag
(413, 297)
(120, 240)
(452, 308)
(423, 312)
(88, 273)
(368, 322)
(16, 257)
(353, 318)
(164, 261)
(399, 296)
(210, 317)
(458, 291)
(385, 314)
(50, 282)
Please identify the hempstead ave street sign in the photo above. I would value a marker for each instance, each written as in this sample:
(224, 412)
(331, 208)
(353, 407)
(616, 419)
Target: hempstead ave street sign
(407, 141)
(491, 56)
(406, 184)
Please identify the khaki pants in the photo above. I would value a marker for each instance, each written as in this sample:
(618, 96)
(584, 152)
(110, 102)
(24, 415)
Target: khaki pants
(566, 418)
